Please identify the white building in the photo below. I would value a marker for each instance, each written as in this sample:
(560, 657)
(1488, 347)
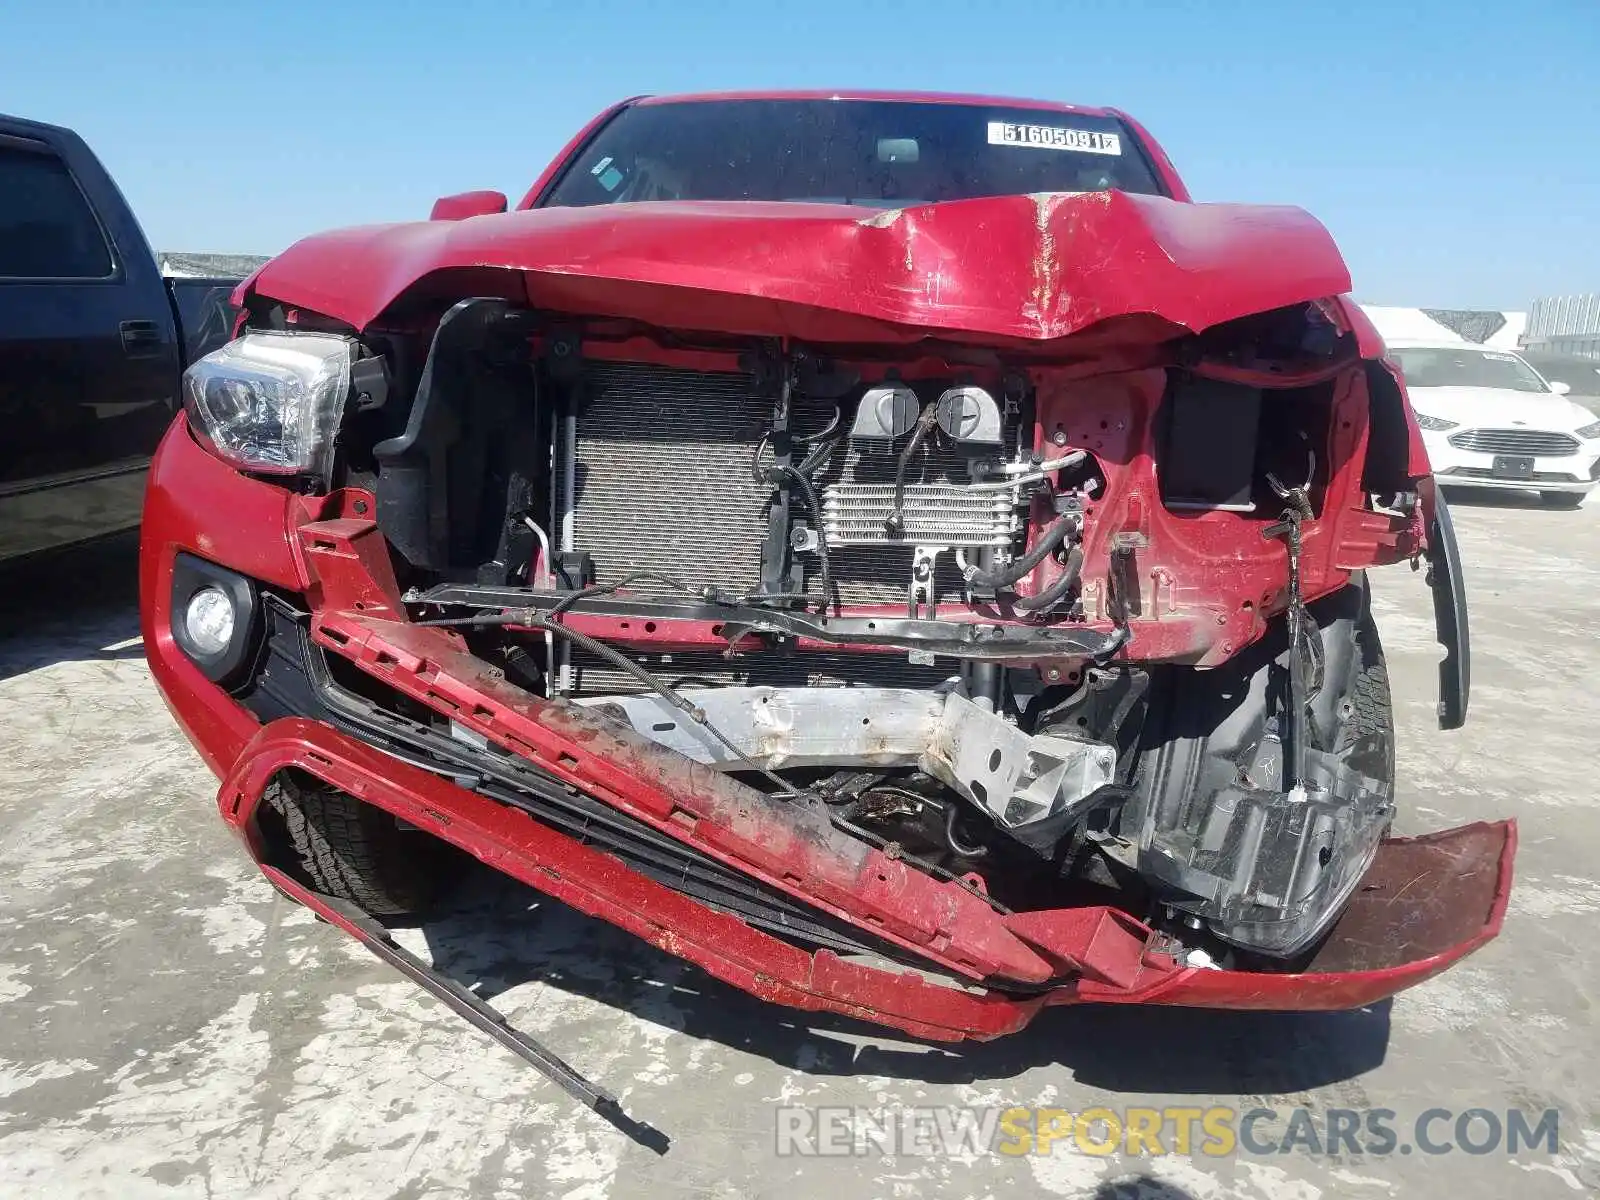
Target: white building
(1499, 330)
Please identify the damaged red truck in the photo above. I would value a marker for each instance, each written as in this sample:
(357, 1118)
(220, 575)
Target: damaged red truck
(896, 552)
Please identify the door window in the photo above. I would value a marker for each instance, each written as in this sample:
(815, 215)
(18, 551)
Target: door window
(47, 229)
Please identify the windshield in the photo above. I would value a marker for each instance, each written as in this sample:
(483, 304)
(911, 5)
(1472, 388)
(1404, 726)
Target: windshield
(879, 153)
(1466, 367)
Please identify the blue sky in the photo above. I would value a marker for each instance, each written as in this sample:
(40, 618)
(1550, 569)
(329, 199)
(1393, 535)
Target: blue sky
(1456, 158)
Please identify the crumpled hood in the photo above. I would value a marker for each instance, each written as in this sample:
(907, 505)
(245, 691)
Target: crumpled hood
(1501, 408)
(1035, 268)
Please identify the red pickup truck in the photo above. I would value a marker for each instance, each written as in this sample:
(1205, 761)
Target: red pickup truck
(897, 552)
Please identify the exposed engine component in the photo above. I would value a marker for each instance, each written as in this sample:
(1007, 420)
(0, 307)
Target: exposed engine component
(970, 416)
(885, 413)
(943, 514)
(1015, 778)
(654, 473)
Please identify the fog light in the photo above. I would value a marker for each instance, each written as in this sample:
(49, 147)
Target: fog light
(208, 620)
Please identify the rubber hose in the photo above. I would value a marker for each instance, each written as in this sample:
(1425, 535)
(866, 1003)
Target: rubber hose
(1018, 567)
(1052, 595)
(819, 455)
(895, 521)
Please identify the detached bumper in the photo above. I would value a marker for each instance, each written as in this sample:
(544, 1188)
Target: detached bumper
(1424, 904)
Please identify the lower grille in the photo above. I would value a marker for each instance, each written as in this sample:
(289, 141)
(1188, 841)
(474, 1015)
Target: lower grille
(1488, 473)
(663, 483)
(1534, 442)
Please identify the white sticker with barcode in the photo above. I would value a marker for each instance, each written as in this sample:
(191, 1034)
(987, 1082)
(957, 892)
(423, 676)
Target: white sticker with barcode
(1050, 137)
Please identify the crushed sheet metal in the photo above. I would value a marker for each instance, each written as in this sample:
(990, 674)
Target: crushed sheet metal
(820, 272)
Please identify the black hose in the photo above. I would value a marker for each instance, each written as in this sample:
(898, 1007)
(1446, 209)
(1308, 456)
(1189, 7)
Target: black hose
(895, 522)
(814, 503)
(838, 417)
(951, 815)
(605, 589)
(818, 456)
(1052, 595)
(1018, 567)
(801, 477)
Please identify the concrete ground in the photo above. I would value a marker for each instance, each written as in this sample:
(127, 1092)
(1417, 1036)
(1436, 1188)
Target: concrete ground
(169, 1026)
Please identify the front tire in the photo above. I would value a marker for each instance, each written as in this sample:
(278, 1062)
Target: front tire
(358, 852)
(1367, 732)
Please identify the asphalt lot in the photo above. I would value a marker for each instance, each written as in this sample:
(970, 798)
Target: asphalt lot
(169, 1026)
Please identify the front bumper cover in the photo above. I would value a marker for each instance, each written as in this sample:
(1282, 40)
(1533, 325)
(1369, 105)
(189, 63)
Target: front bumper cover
(1424, 903)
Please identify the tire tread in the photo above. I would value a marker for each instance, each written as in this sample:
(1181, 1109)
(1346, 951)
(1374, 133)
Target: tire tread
(352, 850)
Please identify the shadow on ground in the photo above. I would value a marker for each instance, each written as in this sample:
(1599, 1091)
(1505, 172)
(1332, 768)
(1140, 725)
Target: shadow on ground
(499, 934)
(77, 604)
(1140, 1187)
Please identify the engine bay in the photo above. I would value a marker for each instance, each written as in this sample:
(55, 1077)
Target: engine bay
(929, 592)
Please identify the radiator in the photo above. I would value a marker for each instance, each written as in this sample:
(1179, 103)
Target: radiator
(663, 483)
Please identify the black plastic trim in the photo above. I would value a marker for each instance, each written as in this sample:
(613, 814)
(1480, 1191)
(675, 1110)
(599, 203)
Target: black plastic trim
(190, 574)
(293, 679)
(1449, 616)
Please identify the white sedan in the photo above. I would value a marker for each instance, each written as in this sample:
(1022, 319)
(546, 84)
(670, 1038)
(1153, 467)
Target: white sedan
(1490, 420)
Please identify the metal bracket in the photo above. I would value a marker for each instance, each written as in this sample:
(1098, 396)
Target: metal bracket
(922, 590)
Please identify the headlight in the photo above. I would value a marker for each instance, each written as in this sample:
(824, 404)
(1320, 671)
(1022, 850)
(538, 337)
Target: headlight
(1589, 432)
(1435, 423)
(271, 402)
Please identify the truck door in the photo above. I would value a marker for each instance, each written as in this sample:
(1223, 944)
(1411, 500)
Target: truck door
(88, 360)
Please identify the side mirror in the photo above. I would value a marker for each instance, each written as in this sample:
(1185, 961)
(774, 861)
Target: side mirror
(467, 204)
(1559, 388)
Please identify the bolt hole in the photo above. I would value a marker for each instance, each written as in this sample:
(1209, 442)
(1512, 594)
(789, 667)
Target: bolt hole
(866, 720)
(994, 760)
(1325, 856)
(649, 626)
